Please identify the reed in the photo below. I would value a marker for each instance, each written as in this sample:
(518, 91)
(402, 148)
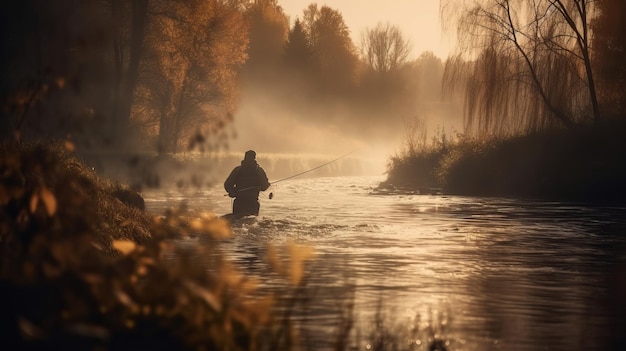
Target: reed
(584, 163)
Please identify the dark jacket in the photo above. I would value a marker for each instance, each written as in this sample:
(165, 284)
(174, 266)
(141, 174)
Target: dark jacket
(246, 181)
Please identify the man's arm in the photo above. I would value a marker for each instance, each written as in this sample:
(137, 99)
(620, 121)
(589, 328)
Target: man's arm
(229, 184)
(264, 183)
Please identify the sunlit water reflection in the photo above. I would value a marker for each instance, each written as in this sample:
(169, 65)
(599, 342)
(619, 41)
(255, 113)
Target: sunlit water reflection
(487, 273)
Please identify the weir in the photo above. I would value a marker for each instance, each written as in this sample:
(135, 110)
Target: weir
(150, 170)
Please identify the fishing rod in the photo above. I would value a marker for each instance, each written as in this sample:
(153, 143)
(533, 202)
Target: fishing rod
(271, 195)
(314, 168)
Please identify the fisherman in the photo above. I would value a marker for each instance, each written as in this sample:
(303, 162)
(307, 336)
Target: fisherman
(244, 184)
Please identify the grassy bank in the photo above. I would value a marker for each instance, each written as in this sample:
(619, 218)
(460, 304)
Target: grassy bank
(587, 163)
(81, 269)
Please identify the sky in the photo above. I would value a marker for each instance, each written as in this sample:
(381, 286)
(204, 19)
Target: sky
(418, 20)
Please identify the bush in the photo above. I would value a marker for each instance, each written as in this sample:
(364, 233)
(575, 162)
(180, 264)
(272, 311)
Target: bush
(586, 163)
(80, 269)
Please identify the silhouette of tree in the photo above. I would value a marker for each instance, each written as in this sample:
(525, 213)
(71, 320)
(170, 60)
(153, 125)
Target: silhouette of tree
(384, 48)
(127, 55)
(269, 27)
(430, 75)
(189, 80)
(334, 54)
(54, 66)
(297, 49)
(532, 64)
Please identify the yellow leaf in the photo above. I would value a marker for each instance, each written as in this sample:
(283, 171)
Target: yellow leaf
(299, 254)
(34, 200)
(124, 246)
(206, 295)
(123, 298)
(49, 201)
(196, 224)
(219, 228)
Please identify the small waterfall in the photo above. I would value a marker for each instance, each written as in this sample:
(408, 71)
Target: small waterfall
(201, 170)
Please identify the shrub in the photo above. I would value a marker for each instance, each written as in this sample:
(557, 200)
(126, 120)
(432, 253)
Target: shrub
(80, 269)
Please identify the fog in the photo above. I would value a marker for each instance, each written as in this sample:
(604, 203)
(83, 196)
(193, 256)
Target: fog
(264, 126)
(288, 121)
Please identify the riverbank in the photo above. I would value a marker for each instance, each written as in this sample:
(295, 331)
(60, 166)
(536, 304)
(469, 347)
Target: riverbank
(84, 268)
(586, 163)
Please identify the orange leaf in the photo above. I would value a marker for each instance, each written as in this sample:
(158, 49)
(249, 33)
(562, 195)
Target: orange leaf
(124, 246)
(49, 201)
(34, 200)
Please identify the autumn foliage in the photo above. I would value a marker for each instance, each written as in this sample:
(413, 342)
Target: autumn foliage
(82, 270)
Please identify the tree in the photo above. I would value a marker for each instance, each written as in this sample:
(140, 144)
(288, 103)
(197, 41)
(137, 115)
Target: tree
(190, 78)
(53, 67)
(297, 48)
(430, 75)
(269, 27)
(126, 71)
(609, 42)
(384, 48)
(334, 54)
(532, 64)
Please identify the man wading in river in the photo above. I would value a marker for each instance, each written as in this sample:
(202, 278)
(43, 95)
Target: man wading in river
(244, 184)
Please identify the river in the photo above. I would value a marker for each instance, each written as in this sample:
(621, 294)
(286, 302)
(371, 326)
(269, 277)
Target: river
(477, 273)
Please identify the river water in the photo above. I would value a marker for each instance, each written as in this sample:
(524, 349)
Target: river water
(476, 273)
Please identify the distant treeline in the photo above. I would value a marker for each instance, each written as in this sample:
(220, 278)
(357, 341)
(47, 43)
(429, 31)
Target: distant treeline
(169, 75)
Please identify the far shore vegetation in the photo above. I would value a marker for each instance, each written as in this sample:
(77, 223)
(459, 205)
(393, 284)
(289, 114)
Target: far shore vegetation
(584, 164)
(543, 85)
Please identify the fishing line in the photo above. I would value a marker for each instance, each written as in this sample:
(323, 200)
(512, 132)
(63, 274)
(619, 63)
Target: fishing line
(314, 168)
(271, 195)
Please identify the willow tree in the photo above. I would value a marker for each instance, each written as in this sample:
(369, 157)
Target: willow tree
(531, 64)
(189, 80)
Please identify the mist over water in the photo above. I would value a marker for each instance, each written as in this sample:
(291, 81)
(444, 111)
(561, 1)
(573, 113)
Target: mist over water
(284, 120)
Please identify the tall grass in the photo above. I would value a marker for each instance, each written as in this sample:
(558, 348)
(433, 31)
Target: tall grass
(586, 163)
(417, 165)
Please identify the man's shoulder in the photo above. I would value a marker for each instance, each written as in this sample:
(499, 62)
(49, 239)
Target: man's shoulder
(235, 170)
